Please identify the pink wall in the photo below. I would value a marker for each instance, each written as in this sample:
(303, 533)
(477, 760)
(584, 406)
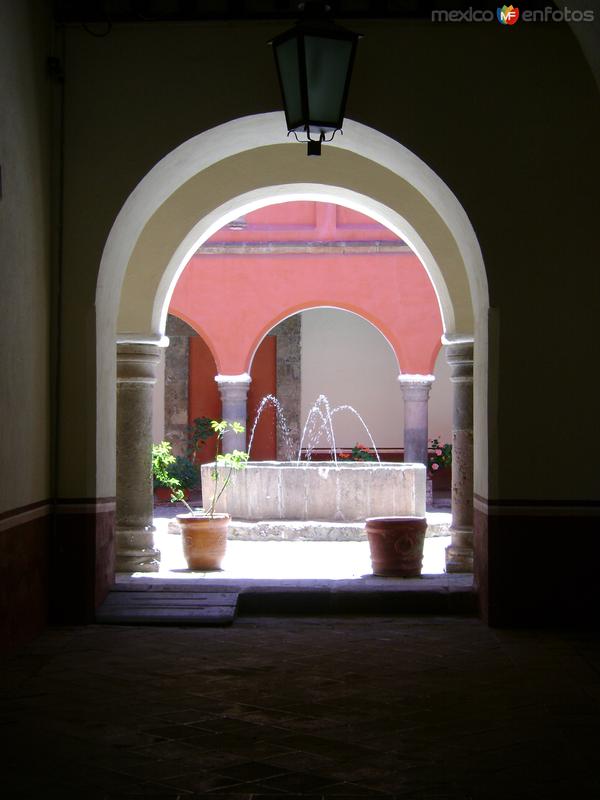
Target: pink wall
(304, 221)
(233, 300)
(204, 399)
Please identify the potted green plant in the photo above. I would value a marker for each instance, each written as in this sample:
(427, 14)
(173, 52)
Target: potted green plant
(439, 458)
(203, 530)
(166, 466)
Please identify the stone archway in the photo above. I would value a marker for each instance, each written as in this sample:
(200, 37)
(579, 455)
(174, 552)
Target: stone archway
(242, 165)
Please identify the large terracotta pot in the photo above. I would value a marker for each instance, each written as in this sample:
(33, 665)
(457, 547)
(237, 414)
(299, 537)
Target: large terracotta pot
(396, 545)
(204, 540)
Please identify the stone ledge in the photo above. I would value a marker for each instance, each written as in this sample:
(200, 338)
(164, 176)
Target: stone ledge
(311, 530)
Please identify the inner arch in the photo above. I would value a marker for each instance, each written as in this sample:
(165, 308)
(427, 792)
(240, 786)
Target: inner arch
(212, 177)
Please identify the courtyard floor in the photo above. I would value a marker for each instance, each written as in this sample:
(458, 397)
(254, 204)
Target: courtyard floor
(413, 708)
(287, 560)
(284, 577)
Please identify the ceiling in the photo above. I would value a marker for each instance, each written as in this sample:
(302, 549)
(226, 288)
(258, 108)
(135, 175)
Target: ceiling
(115, 11)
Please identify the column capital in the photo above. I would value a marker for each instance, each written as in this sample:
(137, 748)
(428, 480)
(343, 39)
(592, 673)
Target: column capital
(157, 339)
(460, 359)
(458, 338)
(242, 378)
(136, 363)
(233, 387)
(415, 387)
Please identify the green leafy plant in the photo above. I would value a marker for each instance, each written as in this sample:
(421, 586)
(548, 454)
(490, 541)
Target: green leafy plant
(359, 452)
(171, 471)
(162, 459)
(186, 472)
(440, 455)
(198, 433)
(225, 465)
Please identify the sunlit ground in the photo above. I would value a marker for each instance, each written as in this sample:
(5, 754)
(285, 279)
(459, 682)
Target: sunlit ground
(286, 560)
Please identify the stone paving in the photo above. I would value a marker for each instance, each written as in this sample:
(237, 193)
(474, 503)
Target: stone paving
(287, 559)
(332, 707)
(277, 550)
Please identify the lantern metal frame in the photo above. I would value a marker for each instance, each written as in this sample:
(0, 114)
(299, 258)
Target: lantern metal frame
(316, 24)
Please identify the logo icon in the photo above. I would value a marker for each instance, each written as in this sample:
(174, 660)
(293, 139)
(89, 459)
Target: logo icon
(507, 15)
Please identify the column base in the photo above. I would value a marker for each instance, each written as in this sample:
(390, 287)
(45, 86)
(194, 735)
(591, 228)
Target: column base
(459, 554)
(459, 559)
(136, 551)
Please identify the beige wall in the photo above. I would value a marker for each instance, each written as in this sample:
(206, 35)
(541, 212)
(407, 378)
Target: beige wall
(345, 358)
(508, 119)
(440, 401)
(349, 361)
(25, 256)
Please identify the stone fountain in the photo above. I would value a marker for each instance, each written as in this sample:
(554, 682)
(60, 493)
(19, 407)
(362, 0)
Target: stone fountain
(317, 499)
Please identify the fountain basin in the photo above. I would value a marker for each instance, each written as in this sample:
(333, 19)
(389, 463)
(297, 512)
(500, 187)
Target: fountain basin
(320, 490)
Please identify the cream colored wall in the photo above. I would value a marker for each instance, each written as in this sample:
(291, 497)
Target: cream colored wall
(440, 401)
(523, 162)
(345, 358)
(25, 257)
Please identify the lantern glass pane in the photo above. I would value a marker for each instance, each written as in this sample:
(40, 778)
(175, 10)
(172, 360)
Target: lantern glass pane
(287, 59)
(327, 64)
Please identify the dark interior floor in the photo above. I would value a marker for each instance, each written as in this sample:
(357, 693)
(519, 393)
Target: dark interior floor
(429, 708)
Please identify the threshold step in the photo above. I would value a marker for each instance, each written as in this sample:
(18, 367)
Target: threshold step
(283, 601)
(149, 607)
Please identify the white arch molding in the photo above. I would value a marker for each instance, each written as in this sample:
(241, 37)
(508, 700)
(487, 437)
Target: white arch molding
(269, 195)
(246, 164)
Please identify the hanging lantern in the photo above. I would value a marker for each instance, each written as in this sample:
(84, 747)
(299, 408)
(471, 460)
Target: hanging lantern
(314, 64)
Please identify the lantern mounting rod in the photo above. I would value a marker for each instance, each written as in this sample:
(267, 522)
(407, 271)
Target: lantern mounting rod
(314, 145)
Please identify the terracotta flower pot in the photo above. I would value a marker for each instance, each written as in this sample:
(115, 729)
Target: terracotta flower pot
(204, 540)
(396, 545)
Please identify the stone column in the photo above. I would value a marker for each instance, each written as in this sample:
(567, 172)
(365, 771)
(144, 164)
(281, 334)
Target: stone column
(177, 371)
(136, 375)
(234, 407)
(415, 390)
(459, 555)
(289, 384)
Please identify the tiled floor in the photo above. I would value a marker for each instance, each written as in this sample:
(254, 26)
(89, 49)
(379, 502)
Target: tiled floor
(332, 707)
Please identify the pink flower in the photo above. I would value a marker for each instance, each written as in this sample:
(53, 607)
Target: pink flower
(435, 466)
(438, 452)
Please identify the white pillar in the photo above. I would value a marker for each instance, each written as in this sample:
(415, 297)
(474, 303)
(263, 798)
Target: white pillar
(459, 555)
(234, 407)
(136, 376)
(415, 391)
